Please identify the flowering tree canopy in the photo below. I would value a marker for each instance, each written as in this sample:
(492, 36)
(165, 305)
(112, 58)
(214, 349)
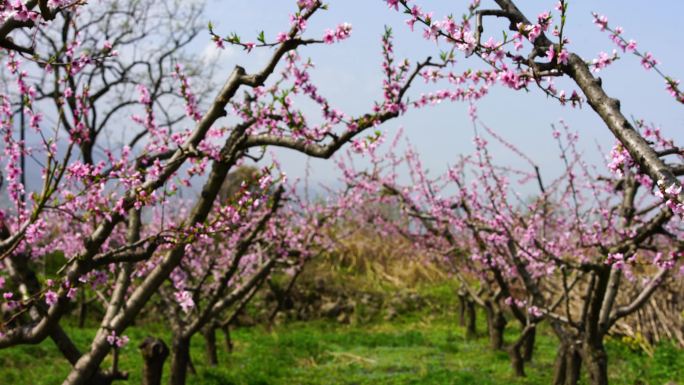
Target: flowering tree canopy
(117, 147)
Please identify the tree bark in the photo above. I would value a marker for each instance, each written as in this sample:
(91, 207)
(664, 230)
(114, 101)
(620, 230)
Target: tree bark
(606, 107)
(154, 352)
(560, 366)
(567, 365)
(210, 344)
(227, 339)
(496, 324)
(29, 285)
(596, 361)
(82, 309)
(180, 361)
(461, 308)
(528, 345)
(471, 319)
(574, 365)
(515, 350)
(517, 361)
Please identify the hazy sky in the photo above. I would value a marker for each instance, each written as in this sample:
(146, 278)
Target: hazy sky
(349, 74)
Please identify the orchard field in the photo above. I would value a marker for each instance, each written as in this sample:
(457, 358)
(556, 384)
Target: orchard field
(352, 192)
(420, 346)
(408, 351)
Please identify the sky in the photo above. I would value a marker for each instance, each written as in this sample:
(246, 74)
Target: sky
(349, 74)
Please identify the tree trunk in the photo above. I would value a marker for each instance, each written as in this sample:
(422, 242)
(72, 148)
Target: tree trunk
(471, 319)
(180, 361)
(596, 361)
(461, 309)
(496, 324)
(567, 366)
(87, 150)
(210, 344)
(29, 285)
(528, 345)
(574, 365)
(517, 361)
(560, 366)
(228, 341)
(86, 369)
(82, 308)
(154, 352)
(515, 350)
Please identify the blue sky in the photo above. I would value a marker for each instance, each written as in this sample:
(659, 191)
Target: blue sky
(349, 75)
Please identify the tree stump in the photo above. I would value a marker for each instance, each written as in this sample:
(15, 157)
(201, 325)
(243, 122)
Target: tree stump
(154, 352)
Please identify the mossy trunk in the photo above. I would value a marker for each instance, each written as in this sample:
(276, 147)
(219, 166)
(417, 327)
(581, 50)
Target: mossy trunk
(517, 361)
(496, 325)
(528, 345)
(209, 334)
(471, 319)
(154, 352)
(180, 361)
(462, 309)
(82, 309)
(228, 341)
(567, 366)
(596, 362)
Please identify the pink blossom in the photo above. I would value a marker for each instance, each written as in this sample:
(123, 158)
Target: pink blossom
(631, 45)
(544, 20)
(184, 299)
(343, 31)
(393, 4)
(601, 21)
(603, 61)
(71, 293)
(535, 311)
(550, 53)
(648, 61)
(306, 4)
(298, 22)
(116, 341)
(533, 32)
(329, 36)
(416, 12)
(144, 97)
(50, 297)
(617, 260)
(673, 190)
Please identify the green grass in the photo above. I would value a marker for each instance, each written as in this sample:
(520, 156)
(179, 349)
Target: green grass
(412, 350)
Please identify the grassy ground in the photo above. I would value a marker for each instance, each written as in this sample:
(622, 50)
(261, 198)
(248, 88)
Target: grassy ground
(413, 350)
